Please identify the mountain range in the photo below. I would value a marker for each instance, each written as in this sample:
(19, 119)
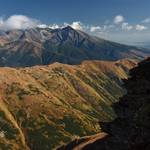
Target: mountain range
(58, 85)
(38, 46)
(142, 44)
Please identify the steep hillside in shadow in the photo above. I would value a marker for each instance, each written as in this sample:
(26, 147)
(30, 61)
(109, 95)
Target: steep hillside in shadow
(45, 106)
(131, 129)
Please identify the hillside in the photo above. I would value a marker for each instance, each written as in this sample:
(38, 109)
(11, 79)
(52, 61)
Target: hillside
(43, 107)
(30, 47)
(131, 129)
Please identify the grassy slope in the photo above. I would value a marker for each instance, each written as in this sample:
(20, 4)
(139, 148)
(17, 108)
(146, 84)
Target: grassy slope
(50, 105)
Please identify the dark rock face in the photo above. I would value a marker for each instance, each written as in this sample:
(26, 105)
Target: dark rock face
(131, 129)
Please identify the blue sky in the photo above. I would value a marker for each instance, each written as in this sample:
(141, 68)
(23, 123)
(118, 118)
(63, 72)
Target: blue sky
(98, 17)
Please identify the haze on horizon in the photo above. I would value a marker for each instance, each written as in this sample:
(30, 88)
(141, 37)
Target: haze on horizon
(125, 21)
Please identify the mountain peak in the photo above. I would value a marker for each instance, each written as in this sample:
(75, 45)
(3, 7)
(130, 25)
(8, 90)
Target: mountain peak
(68, 28)
(64, 45)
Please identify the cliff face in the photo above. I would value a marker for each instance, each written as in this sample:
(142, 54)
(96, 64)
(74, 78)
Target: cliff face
(131, 129)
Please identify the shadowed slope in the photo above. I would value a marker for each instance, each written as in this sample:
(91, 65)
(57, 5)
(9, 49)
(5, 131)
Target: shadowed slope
(131, 129)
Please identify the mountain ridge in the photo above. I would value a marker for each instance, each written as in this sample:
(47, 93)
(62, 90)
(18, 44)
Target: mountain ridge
(22, 48)
(53, 104)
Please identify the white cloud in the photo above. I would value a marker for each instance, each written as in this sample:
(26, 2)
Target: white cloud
(17, 22)
(147, 20)
(140, 27)
(95, 28)
(77, 25)
(126, 26)
(54, 26)
(118, 19)
(109, 30)
(43, 26)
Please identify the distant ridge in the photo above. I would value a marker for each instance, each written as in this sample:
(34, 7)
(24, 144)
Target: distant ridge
(21, 48)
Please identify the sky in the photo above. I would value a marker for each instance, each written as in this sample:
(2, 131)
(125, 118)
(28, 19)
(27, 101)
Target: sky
(125, 21)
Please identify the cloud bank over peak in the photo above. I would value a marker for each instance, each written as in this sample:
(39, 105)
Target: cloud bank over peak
(17, 22)
(77, 25)
(116, 28)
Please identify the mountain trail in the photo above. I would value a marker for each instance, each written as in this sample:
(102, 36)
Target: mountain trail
(10, 118)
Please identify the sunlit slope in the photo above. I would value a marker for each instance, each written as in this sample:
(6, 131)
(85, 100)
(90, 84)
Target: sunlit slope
(43, 107)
